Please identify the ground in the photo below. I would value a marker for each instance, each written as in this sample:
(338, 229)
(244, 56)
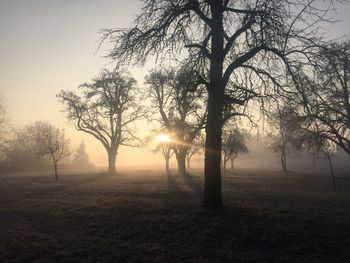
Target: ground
(148, 216)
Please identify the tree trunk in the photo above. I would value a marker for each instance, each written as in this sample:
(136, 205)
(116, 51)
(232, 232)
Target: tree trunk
(284, 161)
(232, 163)
(188, 160)
(55, 166)
(167, 164)
(181, 162)
(212, 171)
(332, 172)
(112, 156)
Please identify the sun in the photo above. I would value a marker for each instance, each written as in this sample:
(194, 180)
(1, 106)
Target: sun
(162, 138)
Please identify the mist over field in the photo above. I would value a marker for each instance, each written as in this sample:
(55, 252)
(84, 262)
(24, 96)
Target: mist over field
(175, 131)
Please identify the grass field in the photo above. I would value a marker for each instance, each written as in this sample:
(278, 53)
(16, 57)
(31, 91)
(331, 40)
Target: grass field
(148, 216)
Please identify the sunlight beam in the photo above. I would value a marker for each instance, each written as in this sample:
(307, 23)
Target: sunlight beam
(162, 138)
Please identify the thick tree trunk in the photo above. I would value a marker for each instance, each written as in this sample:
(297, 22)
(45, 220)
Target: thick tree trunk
(181, 162)
(232, 163)
(112, 156)
(212, 171)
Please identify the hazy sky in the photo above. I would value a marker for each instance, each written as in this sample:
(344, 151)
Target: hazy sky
(49, 45)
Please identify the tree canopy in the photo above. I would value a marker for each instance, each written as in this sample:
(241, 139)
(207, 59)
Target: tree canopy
(179, 110)
(107, 109)
(221, 40)
(234, 143)
(324, 100)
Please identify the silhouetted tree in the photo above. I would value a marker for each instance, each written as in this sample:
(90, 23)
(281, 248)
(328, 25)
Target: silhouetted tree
(318, 144)
(180, 110)
(81, 158)
(234, 143)
(166, 150)
(325, 100)
(164, 147)
(106, 108)
(46, 140)
(195, 148)
(4, 147)
(17, 156)
(220, 38)
(3, 120)
(285, 133)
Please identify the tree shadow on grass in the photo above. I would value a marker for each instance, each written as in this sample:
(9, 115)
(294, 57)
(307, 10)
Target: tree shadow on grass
(195, 183)
(186, 190)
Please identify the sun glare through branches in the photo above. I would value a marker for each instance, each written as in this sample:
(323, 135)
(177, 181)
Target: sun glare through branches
(162, 138)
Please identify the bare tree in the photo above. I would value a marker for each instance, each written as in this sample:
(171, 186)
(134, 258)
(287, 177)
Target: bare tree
(18, 156)
(164, 145)
(325, 95)
(180, 111)
(234, 143)
(318, 144)
(5, 144)
(285, 133)
(195, 148)
(107, 109)
(166, 149)
(3, 120)
(221, 38)
(47, 141)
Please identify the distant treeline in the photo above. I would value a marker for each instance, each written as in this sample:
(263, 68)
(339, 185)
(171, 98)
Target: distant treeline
(23, 152)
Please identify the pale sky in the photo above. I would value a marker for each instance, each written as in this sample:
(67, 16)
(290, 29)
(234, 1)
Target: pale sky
(49, 45)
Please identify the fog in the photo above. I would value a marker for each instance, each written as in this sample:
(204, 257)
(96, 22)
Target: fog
(174, 131)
